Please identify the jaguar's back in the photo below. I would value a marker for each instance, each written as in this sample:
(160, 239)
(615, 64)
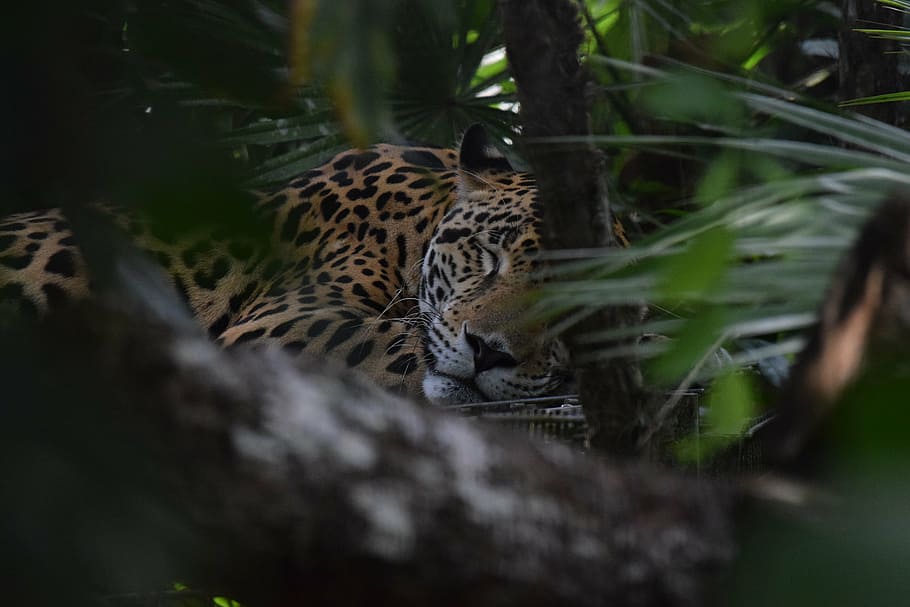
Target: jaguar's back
(408, 263)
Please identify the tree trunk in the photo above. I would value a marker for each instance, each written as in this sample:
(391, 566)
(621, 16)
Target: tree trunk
(542, 43)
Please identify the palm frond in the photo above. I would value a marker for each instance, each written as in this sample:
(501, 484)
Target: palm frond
(781, 240)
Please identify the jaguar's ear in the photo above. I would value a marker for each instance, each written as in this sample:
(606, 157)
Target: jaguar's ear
(477, 156)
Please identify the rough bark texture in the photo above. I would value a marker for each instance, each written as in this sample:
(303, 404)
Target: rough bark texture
(247, 476)
(542, 42)
(870, 66)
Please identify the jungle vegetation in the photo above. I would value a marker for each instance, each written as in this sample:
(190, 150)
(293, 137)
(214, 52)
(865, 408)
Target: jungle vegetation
(746, 143)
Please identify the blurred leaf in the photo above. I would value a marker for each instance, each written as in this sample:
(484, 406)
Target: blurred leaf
(286, 166)
(868, 429)
(721, 177)
(278, 130)
(225, 47)
(730, 406)
(693, 97)
(700, 267)
(794, 151)
(350, 51)
(300, 58)
(853, 552)
(695, 342)
(856, 129)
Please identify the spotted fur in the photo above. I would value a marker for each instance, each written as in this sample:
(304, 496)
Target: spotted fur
(411, 264)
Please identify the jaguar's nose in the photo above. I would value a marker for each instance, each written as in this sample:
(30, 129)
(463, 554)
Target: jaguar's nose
(487, 357)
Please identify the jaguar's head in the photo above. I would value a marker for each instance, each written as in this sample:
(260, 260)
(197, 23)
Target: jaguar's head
(476, 278)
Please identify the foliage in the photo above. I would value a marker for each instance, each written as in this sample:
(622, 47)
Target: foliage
(741, 192)
(249, 89)
(738, 191)
(738, 181)
(356, 72)
(764, 251)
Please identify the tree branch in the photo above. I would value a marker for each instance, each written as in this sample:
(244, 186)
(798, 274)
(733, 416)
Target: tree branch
(276, 486)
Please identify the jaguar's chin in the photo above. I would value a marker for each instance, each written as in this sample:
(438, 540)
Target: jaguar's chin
(441, 389)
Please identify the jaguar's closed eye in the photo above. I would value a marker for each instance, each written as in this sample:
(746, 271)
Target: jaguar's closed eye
(491, 260)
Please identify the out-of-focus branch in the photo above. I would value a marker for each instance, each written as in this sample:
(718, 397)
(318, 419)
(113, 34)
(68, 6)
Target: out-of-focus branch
(299, 486)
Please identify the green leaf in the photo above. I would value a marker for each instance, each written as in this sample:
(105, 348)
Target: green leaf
(700, 267)
(349, 49)
(730, 404)
(287, 166)
(796, 151)
(698, 339)
(730, 407)
(692, 97)
(884, 98)
(269, 132)
(864, 132)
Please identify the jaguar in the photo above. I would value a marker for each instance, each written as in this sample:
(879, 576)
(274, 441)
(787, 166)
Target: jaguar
(411, 264)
